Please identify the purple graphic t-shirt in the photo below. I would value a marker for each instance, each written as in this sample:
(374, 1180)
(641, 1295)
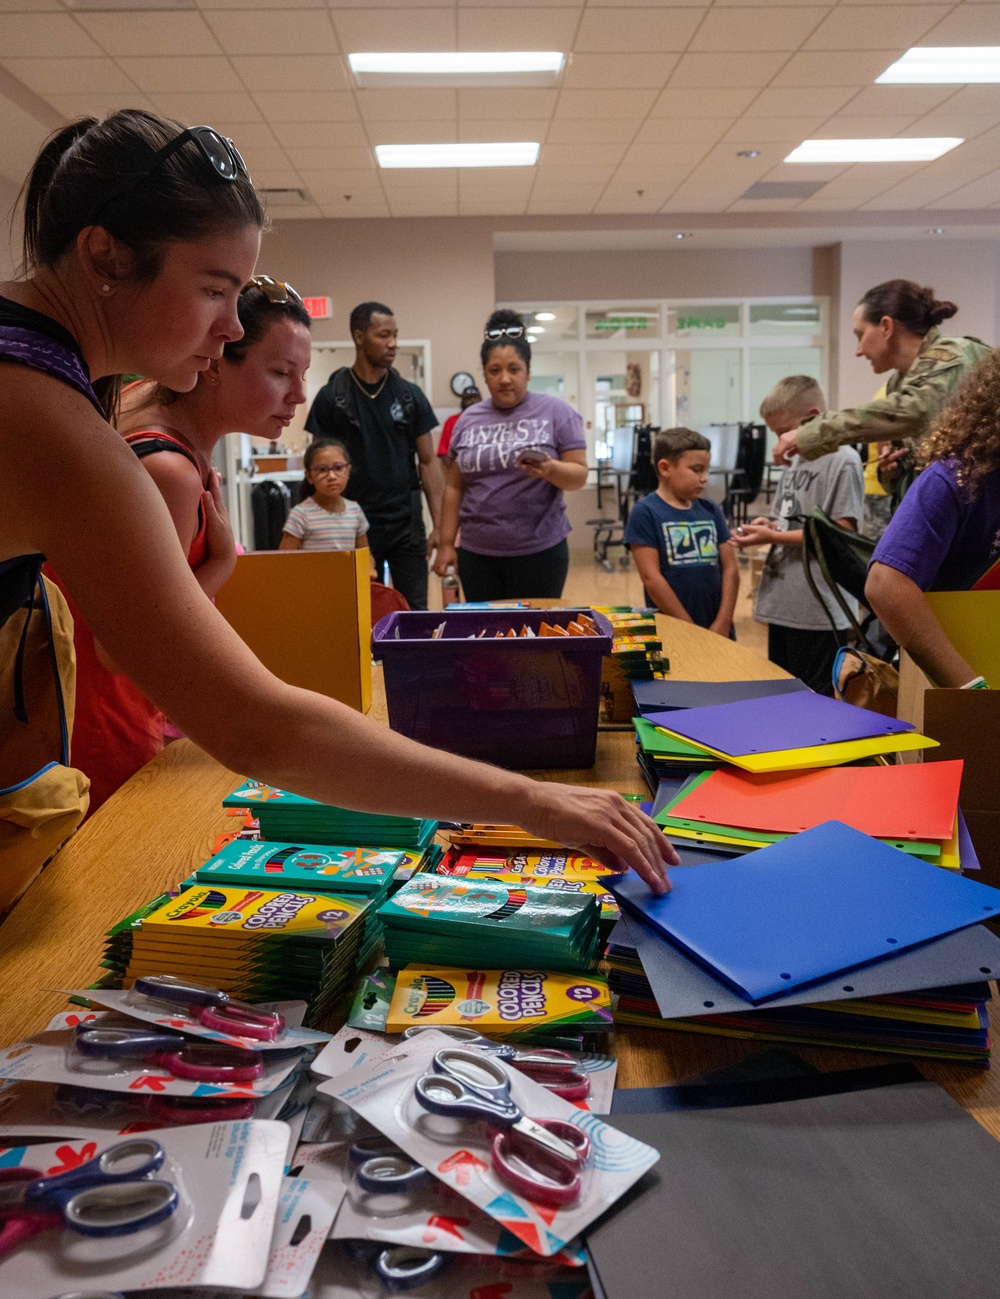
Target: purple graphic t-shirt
(504, 511)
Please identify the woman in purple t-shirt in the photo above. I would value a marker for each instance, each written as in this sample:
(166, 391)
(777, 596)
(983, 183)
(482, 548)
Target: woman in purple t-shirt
(514, 456)
(945, 536)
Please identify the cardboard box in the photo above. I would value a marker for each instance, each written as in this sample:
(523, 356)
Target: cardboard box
(307, 617)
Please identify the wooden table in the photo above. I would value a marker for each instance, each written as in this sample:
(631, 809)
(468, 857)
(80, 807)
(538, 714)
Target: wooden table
(161, 825)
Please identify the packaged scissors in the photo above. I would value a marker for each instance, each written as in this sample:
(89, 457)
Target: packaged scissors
(184, 1206)
(540, 1167)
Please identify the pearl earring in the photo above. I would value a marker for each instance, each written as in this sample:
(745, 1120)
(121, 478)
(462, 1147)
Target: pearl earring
(105, 288)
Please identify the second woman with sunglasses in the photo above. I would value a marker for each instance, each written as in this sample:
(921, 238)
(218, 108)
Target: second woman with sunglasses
(255, 388)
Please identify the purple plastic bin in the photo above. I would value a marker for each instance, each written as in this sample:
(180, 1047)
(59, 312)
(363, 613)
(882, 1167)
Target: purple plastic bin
(517, 702)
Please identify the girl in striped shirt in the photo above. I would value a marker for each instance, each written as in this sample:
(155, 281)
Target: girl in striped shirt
(326, 519)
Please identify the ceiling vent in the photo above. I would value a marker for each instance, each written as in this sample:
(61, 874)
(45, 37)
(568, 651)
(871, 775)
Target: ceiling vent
(783, 189)
(283, 197)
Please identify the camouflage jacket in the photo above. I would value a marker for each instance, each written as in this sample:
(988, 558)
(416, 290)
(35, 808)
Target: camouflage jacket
(911, 401)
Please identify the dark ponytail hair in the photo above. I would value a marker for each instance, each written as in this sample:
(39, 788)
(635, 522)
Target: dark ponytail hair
(321, 444)
(182, 199)
(501, 317)
(907, 302)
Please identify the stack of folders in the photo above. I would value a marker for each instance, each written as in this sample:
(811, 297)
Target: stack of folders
(288, 817)
(669, 695)
(913, 808)
(485, 923)
(564, 872)
(828, 938)
(255, 945)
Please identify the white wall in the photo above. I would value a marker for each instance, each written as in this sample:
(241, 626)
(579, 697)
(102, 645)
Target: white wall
(964, 271)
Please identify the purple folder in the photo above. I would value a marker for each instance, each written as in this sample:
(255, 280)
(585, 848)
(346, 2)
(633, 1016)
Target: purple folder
(795, 721)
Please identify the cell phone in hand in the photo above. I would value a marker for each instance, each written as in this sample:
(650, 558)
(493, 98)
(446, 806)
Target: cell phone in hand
(532, 456)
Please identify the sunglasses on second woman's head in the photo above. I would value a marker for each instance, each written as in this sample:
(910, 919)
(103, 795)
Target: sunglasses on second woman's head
(276, 291)
(510, 331)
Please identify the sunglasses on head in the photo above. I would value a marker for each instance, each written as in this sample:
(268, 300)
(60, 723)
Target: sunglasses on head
(275, 291)
(216, 150)
(501, 331)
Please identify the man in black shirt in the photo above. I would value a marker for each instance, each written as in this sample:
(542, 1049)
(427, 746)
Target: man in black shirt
(385, 422)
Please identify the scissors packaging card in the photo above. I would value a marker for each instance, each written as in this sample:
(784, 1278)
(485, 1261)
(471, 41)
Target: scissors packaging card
(501, 1002)
(344, 1272)
(228, 1179)
(486, 922)
(302, 866)
(458, 1150)
(306, 1211)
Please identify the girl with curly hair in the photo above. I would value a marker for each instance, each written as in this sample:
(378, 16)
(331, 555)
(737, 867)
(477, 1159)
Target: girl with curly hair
(946, 533)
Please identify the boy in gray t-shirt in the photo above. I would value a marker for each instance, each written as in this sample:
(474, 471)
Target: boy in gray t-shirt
(800, 638)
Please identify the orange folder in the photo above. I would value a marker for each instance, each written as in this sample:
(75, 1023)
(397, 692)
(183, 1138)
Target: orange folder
(915, 801)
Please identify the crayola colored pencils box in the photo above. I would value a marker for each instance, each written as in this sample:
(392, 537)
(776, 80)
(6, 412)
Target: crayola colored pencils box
(306, 866)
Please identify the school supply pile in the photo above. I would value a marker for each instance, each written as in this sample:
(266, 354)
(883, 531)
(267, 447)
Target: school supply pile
(484, 922)
(662, 756)
(667, 695)
(829, 938)
(288, 817)
(913, 808)
(519, 701)
(636, 655)
(258, 945)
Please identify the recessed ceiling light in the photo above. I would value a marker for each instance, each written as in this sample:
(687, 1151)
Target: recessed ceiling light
(684, 234)
(900, 149)
(944, 65)
(535, 329)
(936, 230)
(518, 154)
(545, 315)
(458, 68)
(748, 153)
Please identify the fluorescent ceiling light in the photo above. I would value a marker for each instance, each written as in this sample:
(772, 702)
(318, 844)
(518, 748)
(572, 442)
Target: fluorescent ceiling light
(518, 154)
(535, 329)
(902, 149)
(545, 315)
(944, 65)
(458, 68)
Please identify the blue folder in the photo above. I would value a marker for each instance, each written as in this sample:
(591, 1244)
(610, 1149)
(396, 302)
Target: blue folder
(794, 721)
(664, 695)
(815, 904)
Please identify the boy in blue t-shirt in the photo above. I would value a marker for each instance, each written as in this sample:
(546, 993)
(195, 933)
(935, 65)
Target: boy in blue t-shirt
(678, 541)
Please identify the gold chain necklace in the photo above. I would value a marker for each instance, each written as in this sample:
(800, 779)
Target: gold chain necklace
(363, 389)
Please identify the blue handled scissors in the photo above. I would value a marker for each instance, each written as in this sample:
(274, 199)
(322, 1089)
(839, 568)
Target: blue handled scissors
(542, 1160)
(400, 1267)
(113, 1194)
(184, 1058)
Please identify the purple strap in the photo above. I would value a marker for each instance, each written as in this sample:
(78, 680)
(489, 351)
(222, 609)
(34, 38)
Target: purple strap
(27, 347)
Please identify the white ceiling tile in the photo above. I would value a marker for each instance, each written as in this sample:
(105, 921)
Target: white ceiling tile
(501, 204)
(97, 103)
(261, 161)
(702, 101)
(163, 33)
(689, 130)
(23, 136)
(305, 31)
(208, 5)
(723, 156)
(967, 24)
(889, 101)
(966, 125)
(301, 71)
(863, 128)
(368, 207)
(786, 102)
(69, 76)
(420, 179)
(252, 135)
(200, 108)
(441, 184)
(618, 130)
(975, 99)
(857, 184)
(332, 186)
(648, 159)
(751, 131)
(45, 36)
(604, 103)
(536, 28)
(307, 105)
(303, 212)
(418, 105)
(488, 4)
(703, 71)
(580, 155)
(407, 29)
(611, 71)
(490, 130)
(157, 76)
(277, 178)
(330, 158)
(880, 27)
(30, 6)
(414, 132)
(556, 202)
(770, 4)
(793, 171)
(628, 198)
(639, 30)
(502, 180)
(984, 192)
(429, 208)
(835, 68)
(915, 192)
(511, 105)
(695, 197)
(574, 175)
(760, 28)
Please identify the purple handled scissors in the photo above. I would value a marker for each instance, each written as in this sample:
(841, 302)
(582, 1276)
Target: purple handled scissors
(197, 1061)
(211, 1007)
(555, 1070)
(541, 1159)
(114, 1194)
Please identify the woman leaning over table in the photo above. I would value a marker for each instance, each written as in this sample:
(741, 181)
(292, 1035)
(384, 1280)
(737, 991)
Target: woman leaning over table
(514, 456)
(139, 236)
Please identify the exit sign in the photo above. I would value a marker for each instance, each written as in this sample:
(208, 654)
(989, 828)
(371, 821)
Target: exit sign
(318, 308)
